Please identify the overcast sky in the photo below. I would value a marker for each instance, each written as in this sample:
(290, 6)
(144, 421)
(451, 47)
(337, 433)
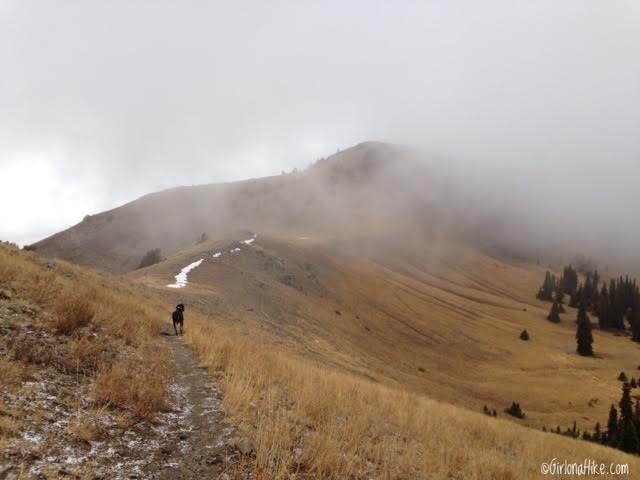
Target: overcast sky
(101, 102)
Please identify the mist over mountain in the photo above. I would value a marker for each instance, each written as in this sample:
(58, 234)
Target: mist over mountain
(536, 112)
(373, 192)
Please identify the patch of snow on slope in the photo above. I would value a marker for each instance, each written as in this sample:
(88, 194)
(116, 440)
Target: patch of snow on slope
(181, 278)
(234, 250)
(250, 240)
(217, 254)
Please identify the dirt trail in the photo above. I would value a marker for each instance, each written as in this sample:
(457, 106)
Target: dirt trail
(198, 448)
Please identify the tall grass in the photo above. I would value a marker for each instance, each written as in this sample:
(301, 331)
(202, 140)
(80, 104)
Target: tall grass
(304, 417)
(102, 331)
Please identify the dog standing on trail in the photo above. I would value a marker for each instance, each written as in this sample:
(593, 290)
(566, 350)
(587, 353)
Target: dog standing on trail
(178, 318)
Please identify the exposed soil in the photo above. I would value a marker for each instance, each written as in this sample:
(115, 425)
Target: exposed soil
(199, 447)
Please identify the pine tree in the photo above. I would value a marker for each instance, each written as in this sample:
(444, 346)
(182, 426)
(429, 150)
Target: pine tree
(612, 426)
(604, 315)
(636, 417)
(577, 298)
(635, 322)
(623, 377)
(554, 314)
(524, 335)
(597, 434)
(560, 300)
(548, 287)
(569, 281)
(628, 436)
(583, 334)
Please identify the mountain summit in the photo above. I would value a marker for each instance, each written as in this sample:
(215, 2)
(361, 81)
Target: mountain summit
(359, 189)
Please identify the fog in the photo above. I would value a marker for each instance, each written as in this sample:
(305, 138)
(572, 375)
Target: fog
(533, 106)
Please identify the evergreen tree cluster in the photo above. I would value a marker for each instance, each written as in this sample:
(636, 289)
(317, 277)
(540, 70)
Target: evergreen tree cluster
(623, 425)
(615, 303)
(620, 301)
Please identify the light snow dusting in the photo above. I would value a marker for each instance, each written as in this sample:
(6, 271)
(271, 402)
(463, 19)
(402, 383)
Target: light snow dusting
(181, 278)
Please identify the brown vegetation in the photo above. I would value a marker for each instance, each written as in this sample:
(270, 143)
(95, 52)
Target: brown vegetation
(306, 418)
(77, 344)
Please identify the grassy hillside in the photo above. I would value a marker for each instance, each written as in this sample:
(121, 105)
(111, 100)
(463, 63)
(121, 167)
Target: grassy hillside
(442, 321)
(81, 363)
(389, 330)
(306, 419)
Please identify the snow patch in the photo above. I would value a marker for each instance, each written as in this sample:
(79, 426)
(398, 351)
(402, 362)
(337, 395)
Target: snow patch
(181, 278)
(249, 241)
(217, 254)
(234, 250)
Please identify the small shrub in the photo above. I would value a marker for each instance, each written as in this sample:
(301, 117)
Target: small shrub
(152, 257)
(72, 311)
(524, 335)
(135, 384)
(622, 377)
(487, 411)
(515, 411)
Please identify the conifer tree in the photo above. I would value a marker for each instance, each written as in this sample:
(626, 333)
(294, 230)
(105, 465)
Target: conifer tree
(612, 426)
(594, 283)
(597, 434)
(577, 298)
(560, 300)
(583, 334)
(604, 315)
(548, 287)
(635, 322)
(569, 281)
(628, 436)
(554, 314)
(636, 417)
(623, 377)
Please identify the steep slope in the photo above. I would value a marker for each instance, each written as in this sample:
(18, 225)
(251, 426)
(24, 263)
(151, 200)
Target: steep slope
(367, 187)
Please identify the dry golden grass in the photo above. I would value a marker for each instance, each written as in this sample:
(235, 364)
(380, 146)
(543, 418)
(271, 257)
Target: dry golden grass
(12, 374)
(303, 417)
(9, 425)
(73, 310)
(137, 383)
(88, 428)
(102, 330)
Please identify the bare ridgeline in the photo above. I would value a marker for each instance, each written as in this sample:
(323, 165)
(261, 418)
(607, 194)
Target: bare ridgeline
(356, 320)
